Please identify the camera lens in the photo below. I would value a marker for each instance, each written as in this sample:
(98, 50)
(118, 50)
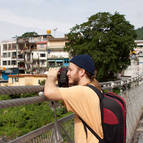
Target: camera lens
(62, 77)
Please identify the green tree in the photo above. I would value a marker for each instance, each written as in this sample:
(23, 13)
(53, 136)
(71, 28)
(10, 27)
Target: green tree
(139, 32)
(29, 34)
(108, 39)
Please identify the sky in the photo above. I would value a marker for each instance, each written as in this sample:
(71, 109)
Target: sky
(59, 16)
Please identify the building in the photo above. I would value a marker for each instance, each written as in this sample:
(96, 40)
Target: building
(56, 54)
(8, 58)
(136, 66)
(25, 79)
(32, 55)
(139, 46)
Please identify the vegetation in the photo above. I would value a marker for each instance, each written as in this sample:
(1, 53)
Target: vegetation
(139, 33)
(29, 34)
(108, 39)
(17, 121)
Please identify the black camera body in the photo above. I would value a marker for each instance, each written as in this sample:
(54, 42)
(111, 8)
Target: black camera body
(62, 77)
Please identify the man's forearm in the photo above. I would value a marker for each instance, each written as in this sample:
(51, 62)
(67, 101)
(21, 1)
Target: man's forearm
(51, 91)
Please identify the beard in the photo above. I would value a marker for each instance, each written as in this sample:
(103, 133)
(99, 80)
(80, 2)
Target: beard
(74, 82)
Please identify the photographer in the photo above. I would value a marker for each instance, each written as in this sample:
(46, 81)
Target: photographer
(78, 98)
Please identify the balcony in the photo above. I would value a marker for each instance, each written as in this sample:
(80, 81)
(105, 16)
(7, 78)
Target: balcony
(20, 59)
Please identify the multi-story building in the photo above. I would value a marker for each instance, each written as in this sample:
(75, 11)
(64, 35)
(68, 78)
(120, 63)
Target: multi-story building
(8, 54)
(136, 66)
(32, 55)
(139, 46)
(8, 58)
(56, 54)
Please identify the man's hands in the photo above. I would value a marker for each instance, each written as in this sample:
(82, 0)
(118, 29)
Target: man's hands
(52, 74)
(51, 90)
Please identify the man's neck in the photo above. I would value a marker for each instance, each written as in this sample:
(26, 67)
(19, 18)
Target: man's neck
(84, 81)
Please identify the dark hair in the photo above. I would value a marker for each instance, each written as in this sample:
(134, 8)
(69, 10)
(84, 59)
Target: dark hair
(93, 80)
(90, 76)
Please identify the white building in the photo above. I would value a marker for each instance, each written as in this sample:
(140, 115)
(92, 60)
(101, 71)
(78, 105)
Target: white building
(8, 54)
(136, 66)
(56, 54)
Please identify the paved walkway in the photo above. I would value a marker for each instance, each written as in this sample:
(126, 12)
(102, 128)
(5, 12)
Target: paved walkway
(138, 136)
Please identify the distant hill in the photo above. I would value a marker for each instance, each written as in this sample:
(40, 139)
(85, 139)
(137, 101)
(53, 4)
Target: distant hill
(139, 33)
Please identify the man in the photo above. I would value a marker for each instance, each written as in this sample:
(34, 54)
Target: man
(79, 98)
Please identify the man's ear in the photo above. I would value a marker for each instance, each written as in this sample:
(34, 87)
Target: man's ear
(82, 72)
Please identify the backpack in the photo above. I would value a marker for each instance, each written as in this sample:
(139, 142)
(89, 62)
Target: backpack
(113, 114)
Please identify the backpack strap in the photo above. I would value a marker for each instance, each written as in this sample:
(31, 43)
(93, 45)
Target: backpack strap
(92, 131)
(97, 91)
(101, 96)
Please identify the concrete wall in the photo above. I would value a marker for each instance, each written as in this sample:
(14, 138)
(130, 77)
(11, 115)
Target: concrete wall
(134, 101)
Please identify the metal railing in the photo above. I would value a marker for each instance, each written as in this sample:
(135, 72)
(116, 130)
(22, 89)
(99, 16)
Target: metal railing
(53, 132)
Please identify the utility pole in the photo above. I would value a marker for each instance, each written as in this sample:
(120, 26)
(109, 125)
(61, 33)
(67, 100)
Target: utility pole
(55, 29)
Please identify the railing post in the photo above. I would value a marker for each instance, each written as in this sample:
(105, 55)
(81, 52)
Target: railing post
(112, 85)
(57, 136)
(121, 87)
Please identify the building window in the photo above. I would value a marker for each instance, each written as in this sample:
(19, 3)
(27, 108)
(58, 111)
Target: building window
(51, 63)
(4, 47)
(4, 55)
(13, 46)
(43, 55)
(13, 63)
(39, 82)
(9, 46)
(59, 63)
(4, 62)
(42, 46)
(14, 55)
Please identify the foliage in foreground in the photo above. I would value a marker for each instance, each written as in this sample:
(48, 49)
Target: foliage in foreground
(17, 121)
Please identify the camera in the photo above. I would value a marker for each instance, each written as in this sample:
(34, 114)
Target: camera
(62, 77)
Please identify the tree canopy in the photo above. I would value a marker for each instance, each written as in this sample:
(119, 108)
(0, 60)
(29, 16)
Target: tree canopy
(108, 39)
(29, 34)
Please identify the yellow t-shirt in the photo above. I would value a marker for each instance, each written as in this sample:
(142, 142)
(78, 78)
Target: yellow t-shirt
(85, 103)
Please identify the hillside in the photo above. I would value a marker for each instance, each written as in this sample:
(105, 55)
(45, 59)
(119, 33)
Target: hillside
(139, 33)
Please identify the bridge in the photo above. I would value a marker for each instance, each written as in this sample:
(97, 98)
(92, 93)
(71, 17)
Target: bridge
(131, 89)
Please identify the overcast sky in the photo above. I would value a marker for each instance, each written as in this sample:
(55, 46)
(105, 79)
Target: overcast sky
(20, 16)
